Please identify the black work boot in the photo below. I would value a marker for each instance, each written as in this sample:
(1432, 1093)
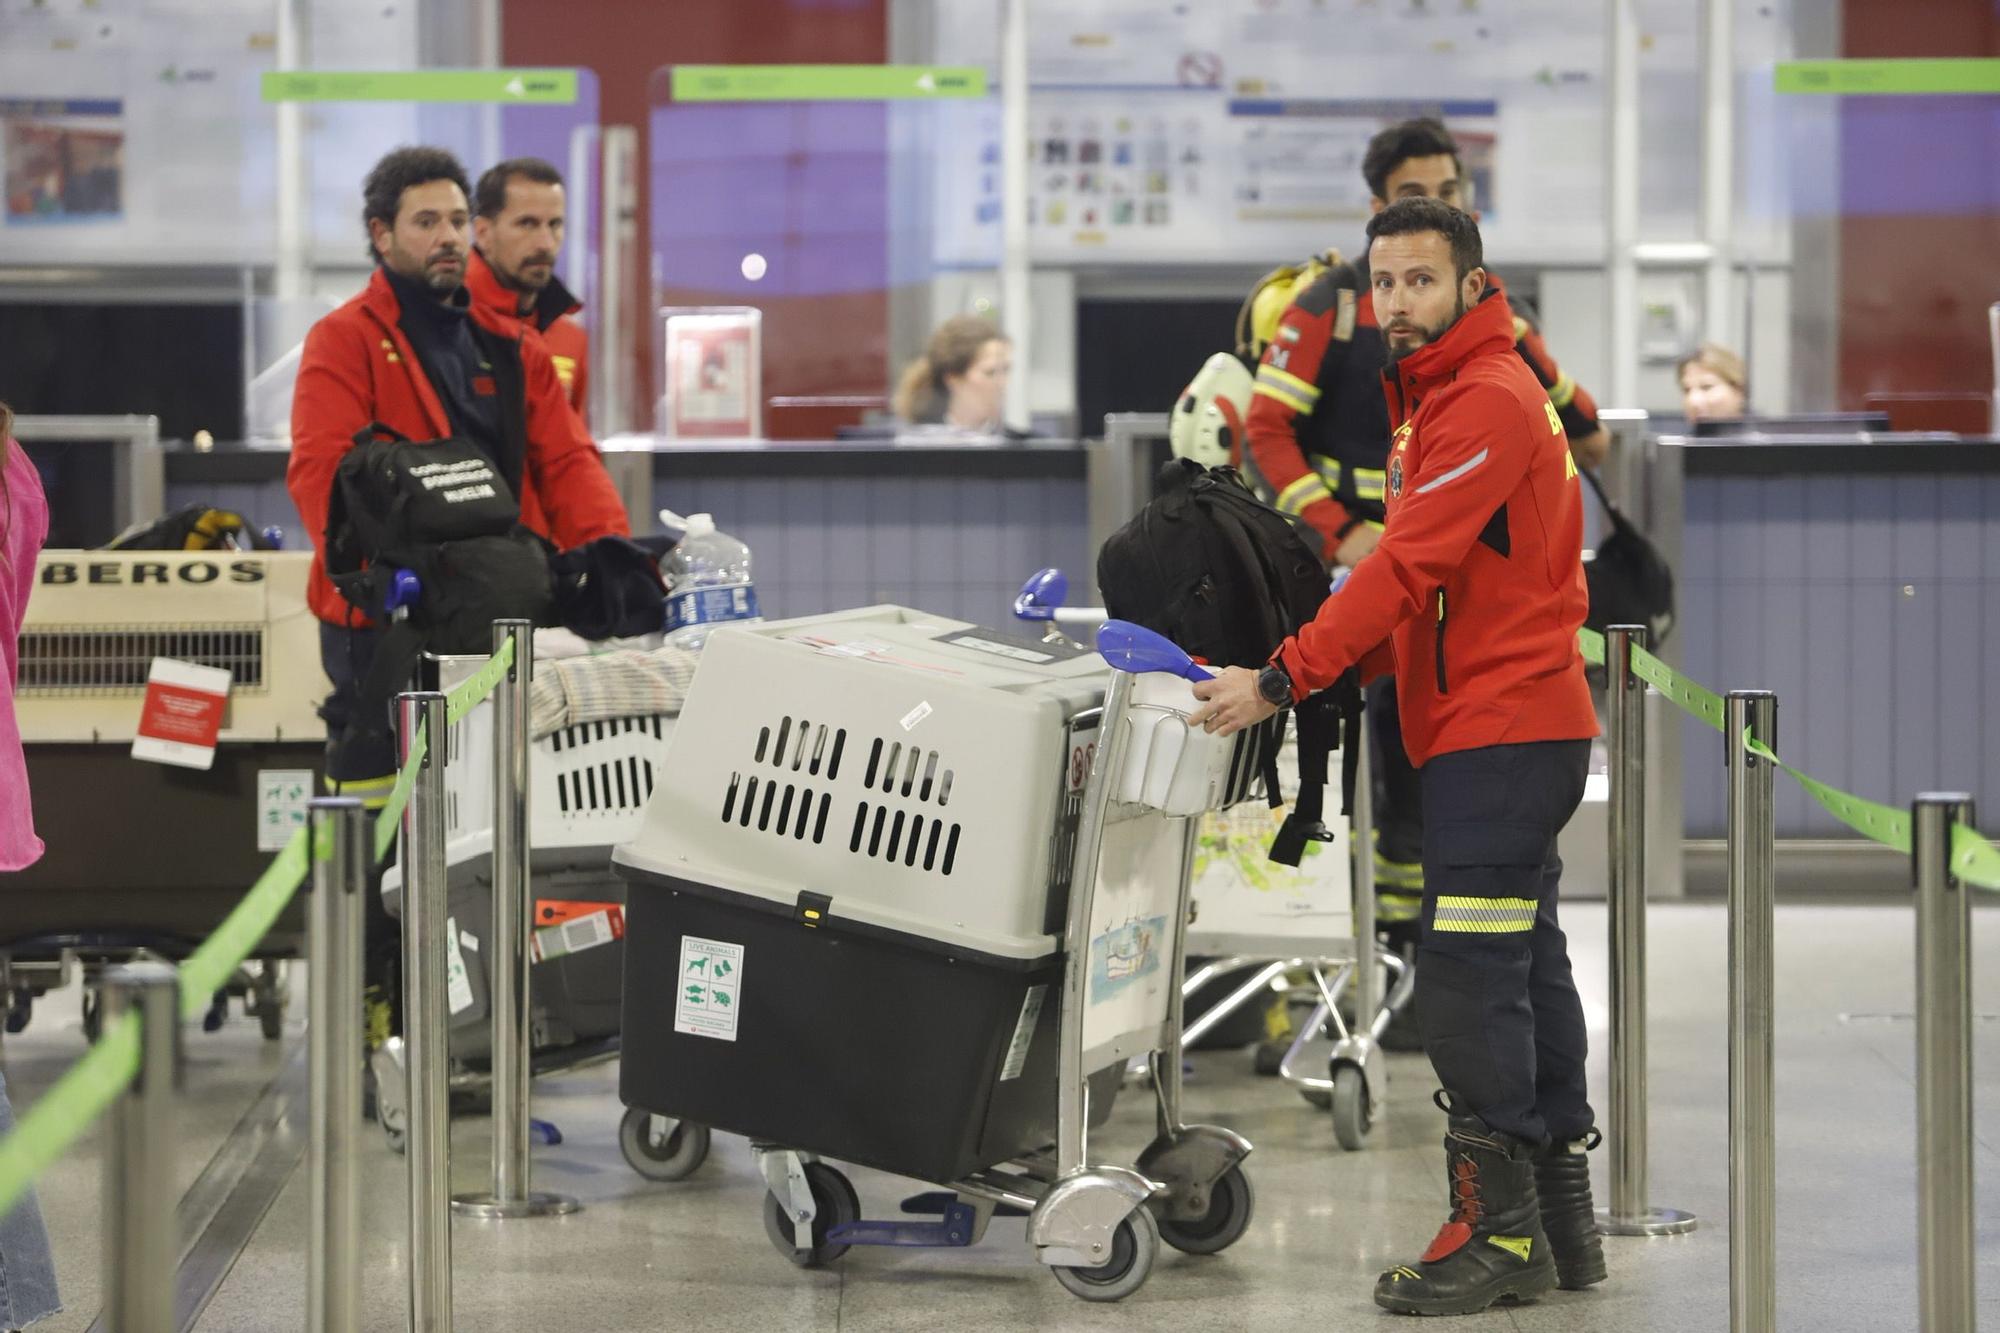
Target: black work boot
(1562, 1179)
(1493, 1247)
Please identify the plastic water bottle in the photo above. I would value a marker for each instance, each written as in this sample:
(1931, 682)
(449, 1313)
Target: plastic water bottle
(708, 584)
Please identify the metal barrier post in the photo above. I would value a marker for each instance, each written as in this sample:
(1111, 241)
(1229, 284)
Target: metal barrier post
(1361, 857)
(1753, 874)
(1629, 1214)
(508, 957)
(141, 1241)
(425, 1018)
(1945, 1232)
(339, 839)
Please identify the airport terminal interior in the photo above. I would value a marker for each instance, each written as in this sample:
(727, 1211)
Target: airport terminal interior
(872, 664)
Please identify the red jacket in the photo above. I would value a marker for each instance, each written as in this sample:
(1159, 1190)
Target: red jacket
(1478, 581)
(550, 317)
(1317, 434)
(358, 367)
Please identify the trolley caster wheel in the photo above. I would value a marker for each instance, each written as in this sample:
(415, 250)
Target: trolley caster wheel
(1230, 1204)
(271, 1019)
(20, 1009)
(218, 1013)
(1352, 1113)
(661, 1148)
(1134, 1246)
(834, 1204)
(1268, 1056)
(93, 1016)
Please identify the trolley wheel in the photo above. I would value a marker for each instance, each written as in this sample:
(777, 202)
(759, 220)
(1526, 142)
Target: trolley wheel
(834, 1204)
(217, 1014)
(1352, 1113)
(1134, 1246)
(1230, 1204)
(93, 1016)
(20, 1008)
(675, 1154)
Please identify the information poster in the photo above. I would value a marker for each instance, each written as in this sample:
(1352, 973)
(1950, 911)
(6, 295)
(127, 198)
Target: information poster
(714, 374)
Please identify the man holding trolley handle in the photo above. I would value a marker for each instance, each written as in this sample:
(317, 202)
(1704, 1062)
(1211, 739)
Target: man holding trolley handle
(1473, 598)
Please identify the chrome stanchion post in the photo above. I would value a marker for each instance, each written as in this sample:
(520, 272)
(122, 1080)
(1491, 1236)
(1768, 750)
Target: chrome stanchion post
(1945, 1233)
(1361, 857)
(1629, 1213)
(339, 839)
(507, 951)
(141, 1241)
(1753, 874)
(425, 1018)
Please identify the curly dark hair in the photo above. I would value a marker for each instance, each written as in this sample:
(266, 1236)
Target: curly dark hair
(1408, 216)
(382, 192)
(492, 195)
(1423, 137)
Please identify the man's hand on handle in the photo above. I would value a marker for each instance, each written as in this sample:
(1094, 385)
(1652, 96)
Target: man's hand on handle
(1230, 702)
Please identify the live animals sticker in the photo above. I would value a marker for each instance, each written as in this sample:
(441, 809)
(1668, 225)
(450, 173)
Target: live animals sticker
(458, 986)
(709, 988)
(916, 715)
(282, 794)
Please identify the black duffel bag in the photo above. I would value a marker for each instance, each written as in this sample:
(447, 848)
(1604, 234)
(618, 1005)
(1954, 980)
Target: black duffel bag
(442, 511)
(1630, 582)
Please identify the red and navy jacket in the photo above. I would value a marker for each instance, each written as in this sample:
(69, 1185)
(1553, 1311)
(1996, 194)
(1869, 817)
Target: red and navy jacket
(1478, 581)
(359, 366)
(553, 317)
(1318, 433)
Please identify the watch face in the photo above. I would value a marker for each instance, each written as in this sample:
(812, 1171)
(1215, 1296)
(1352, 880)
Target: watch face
(1272, 684)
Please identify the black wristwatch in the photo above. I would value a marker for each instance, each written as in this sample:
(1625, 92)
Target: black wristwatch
(1275, 685)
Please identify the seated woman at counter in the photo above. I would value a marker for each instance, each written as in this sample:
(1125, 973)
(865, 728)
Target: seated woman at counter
(959, 384)
(1714, 385)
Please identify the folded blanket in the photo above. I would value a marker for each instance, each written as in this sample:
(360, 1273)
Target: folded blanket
(608, 685)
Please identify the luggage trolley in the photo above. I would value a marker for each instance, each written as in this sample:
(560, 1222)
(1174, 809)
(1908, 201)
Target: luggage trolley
(893, 903)
(588, 785)
(1306, 925)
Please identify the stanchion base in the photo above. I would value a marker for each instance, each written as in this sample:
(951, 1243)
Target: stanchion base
(1652, 1222)
(534, 1205)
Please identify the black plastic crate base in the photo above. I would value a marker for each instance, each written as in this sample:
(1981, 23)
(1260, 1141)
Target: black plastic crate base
(877, 1048)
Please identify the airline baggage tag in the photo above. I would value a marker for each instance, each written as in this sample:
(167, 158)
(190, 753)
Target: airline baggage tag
(182, 714)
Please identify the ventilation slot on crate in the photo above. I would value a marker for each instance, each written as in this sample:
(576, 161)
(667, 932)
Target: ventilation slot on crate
(901, 837)
(906, 770)
(784, 811)
(795, 745)
(72, 661)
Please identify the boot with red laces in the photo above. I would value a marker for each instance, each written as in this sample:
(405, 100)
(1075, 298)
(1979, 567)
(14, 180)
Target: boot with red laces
(1493, 1247)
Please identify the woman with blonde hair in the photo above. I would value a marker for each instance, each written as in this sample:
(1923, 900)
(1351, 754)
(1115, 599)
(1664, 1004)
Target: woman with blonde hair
(1714, 384)
(27, 1277)
(961, 379)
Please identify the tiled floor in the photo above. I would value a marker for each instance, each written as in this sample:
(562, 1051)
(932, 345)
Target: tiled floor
(644, 1256)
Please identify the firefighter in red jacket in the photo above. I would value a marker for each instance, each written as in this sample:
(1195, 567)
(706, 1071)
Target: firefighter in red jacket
(1318, 437)
(412, 352)
(1477, 584)
(518, 223)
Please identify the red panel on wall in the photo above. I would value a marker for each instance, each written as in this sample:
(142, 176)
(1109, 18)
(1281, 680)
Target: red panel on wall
(626, 40)
(1910, 325)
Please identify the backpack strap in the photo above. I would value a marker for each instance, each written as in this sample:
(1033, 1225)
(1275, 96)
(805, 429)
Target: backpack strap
(389, 674)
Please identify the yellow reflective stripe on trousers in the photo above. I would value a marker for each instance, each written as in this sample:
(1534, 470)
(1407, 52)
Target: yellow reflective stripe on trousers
(373, 793)
(1307, 490)
(1485, 916)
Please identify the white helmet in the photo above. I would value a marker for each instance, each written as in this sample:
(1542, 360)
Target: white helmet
(1207, 420)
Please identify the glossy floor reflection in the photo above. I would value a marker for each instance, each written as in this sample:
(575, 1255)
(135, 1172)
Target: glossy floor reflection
(644, 1256)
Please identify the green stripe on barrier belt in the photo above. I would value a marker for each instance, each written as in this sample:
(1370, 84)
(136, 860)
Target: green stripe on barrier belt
(1591, 644)
(61, 1115)
(1973, 859)
(1705, 704)
(68, 1108)
(1879, 823)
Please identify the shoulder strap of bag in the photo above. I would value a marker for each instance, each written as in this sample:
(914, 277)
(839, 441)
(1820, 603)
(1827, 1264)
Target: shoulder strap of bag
(1619, 522)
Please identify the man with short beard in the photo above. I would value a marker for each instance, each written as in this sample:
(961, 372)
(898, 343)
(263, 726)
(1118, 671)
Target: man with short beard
(412, 352)
(518, 224)
(1477, 585)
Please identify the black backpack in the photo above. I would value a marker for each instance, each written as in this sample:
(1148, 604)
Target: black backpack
(1227, 577)
(443, 511)
(1630, 582)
